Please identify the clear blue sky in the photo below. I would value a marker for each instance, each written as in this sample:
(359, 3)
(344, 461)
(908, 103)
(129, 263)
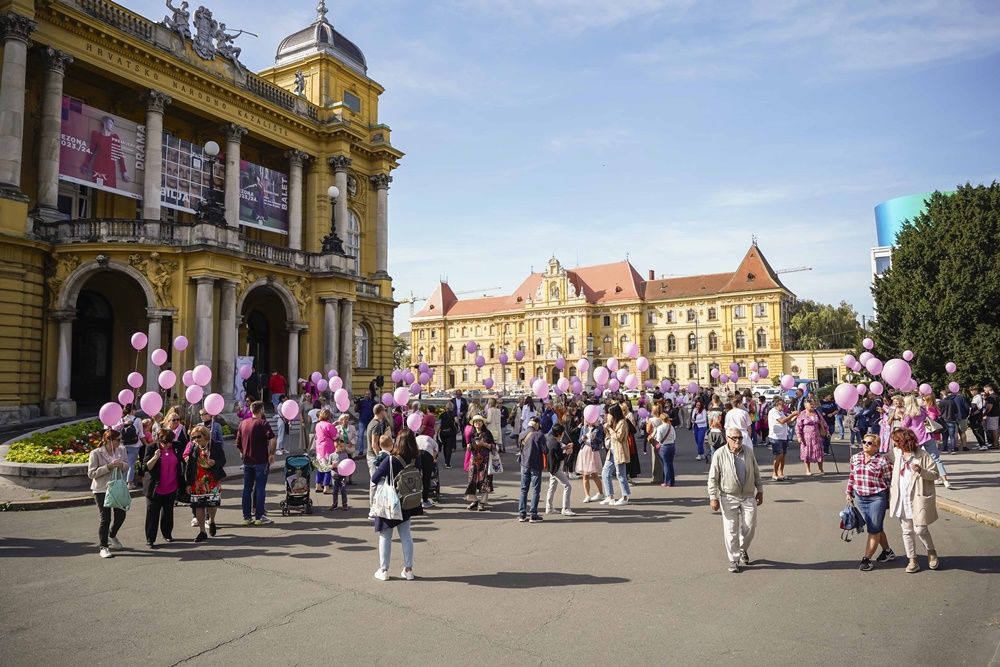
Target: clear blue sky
(670, 130)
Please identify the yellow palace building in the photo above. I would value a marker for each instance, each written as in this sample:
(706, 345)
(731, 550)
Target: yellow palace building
(150, 182)
(685, 326)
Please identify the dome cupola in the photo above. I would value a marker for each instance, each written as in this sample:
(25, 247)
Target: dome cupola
(320, 37)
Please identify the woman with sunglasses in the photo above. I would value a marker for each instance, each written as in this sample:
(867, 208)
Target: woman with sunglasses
(166, 478)
(208, 461)
(868, 489)
(912, 497)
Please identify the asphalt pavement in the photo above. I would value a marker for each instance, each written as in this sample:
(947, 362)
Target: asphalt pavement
(634, 585)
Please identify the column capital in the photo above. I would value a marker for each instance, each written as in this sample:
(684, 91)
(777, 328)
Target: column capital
(227, 283)
(234, 132)
(296, 157)
(381, 181)
(63, 315)
(339, 163)
(330, 299)
(156, 101)
(295, 327)
(203, 280)
(56, 61)
(15, 26)
(159, 313)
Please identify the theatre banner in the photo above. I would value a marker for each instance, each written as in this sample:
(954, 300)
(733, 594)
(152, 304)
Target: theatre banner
(187, 174)
(263, 197)
(101, 150)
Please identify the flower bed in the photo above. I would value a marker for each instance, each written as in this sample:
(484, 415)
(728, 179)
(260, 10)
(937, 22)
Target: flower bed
(69, 444)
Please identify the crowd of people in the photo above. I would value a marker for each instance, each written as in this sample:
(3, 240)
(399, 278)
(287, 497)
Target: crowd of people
(598, 441)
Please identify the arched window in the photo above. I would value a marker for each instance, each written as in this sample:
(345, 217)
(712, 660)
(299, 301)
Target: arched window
(465, 375)
(742, 372)
(539, 372)
(672, 371)
(451, 353)
(555, 324)
(622, 342)
(607, 345)
(692, 315)
(671, 343)
(520, 345)
(479, 372)
(506, 328)
(692, 342)
(761, 338)
(492, 329)
(434, 354)
(353, 243)
(520, 328)
(538, 325)
(464, 334)
(713, 342)
(670, 317)
(741, 340)
(420, 354)
(713, 314)
(572, 371)
(362, 343)
(520, 374)
(422, 334)
(651, 344)
(464, 352)
(539, 350)
(692, 371)
(572, 322)
(493, 351)
(571, 345)
(477, 329)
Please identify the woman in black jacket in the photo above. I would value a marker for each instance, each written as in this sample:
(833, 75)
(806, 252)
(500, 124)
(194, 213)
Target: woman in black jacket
(205, 463)
(166, 479)
(560, 449)
(404, 452)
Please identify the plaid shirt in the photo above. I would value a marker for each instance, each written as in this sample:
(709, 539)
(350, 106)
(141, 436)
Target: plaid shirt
(867, 479)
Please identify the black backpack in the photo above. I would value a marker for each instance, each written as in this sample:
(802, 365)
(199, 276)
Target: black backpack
(130, 435)
(409, 484)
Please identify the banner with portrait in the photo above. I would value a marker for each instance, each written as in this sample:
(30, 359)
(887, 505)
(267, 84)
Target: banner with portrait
(263, 198)
(100, 150)
(187, 174)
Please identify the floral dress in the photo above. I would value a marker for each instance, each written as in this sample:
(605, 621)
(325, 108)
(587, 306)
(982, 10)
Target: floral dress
(480, 477)
(205, 490)
(810, 428)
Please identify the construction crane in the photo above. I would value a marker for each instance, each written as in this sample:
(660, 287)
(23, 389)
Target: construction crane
(413, 299)
(795, 269)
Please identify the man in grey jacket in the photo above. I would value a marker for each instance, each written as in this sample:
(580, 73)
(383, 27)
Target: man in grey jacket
(734, 486)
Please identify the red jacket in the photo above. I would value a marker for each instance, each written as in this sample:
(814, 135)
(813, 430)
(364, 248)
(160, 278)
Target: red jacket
(277, 384)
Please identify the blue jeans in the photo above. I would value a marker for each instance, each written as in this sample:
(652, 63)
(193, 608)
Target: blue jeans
(666, 454)
(362, 428)
(385, 545)
(840, 426)
(132, 452)
(699, 438)
(931, 448)
(255, 485)
(949, 435)
(619, 471)
(534, 479)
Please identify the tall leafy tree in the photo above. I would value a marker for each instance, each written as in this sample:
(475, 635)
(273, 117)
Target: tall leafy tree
(400, 352)
(941, 297)
(819, 326)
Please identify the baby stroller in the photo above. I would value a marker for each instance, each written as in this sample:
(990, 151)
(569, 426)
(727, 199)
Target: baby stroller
(298, 471)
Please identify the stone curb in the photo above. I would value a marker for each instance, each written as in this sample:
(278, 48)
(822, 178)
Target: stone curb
(79, 501)
(969, 512)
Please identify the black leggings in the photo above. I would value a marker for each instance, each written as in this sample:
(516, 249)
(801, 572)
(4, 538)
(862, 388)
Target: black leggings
(448, 442)
(102, 532)
(160, 509)
(426, 469)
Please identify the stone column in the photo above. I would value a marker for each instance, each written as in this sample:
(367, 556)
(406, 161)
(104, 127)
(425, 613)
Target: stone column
(15, 30)
(381, 183)
(156, 102)
(64, 365)
(340, 164)
(331, 333)
(347, 342)
(296, 159)
(153, 335)
(234, 137)
(203, 320)
(50, 131)
(293, 358)
(228, 336)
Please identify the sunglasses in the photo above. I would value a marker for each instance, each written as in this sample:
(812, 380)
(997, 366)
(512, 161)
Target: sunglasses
(735, 437)
(175, 419)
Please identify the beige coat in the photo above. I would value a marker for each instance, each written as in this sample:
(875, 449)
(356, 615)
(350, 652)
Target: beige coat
(922, 494)
(616, 440)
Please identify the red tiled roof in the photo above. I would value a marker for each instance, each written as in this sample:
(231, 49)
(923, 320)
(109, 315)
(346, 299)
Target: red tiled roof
(754, 273)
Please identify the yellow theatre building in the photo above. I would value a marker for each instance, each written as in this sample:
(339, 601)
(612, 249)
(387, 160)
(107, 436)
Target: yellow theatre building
(685, 326)
(150, 182)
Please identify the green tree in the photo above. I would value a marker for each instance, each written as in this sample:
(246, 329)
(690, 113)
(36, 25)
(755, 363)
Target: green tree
(819, 326)
(400, 352)
(941, 297)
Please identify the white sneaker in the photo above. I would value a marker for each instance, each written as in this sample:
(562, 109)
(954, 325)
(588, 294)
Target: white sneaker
(947, 484)
(115, 543)
(548, 510)
(194, 521)
(406, 574)
(586, 499)
(621, 501)
(382, 575)
(608, 500)
(699, 458)
(262, 521)
(938, 482)
(106, 553)
(568, 512)
(596, 496)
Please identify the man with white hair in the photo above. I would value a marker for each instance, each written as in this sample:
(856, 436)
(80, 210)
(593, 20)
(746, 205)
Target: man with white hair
(735, 487)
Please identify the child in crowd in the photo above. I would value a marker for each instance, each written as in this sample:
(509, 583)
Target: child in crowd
(343, 453)
(282, 429)
(716, 437)
(384, 445)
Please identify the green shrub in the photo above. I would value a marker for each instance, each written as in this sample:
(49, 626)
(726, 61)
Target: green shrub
(69, 444)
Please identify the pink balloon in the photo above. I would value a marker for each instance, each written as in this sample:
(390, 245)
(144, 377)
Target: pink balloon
(677, 387)
(925, 389)
(563, 383)
(289, 409)
(621, 374)
(911, 385)
(849, 360)
(614, 384)
(787, 381)
(724, 378)
(876, 388)
(346, 467)
(631, 382)
(753, 365)
(151, 402)
(865, 356)
(401, 396)
(560, 363)
(166, 379)
(715, 373)
(202, 374)
(950, 367)
(397, 376)
(503, 358)
(245, 372)
(868, 343)
(316, 376)
(754, 376)
(862, 390)
(331, 374)
(632, 350)
(518, 355)
(480, 361)
(126, 396)
(897, 373)
(342, 399)
(541, 388)
(158, 357)
(591, 414)
(907, 355)
(415, 389)
(139, 341)
(665, 386)
(134, 379)
(846, 395)
(423, 367)
(953, 387)
(414, 420)
(601, 375)
(734, 367)
(335, 383)
(110, 414)
(874, 366)
(322, 385)
(424, 378)
(643, 413)
(408, 377)
(648, 384)
(488, 383)
(187, 378)
(763, 372)
(193, 394)
(642, 364)
(612, 364)
(471, 346)
(582, 366)
(180, 343)
(387, 400)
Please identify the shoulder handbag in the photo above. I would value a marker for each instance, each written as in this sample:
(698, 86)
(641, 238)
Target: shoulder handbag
(386, 503)
(496, 464)
(932, 426)
(117, 495)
